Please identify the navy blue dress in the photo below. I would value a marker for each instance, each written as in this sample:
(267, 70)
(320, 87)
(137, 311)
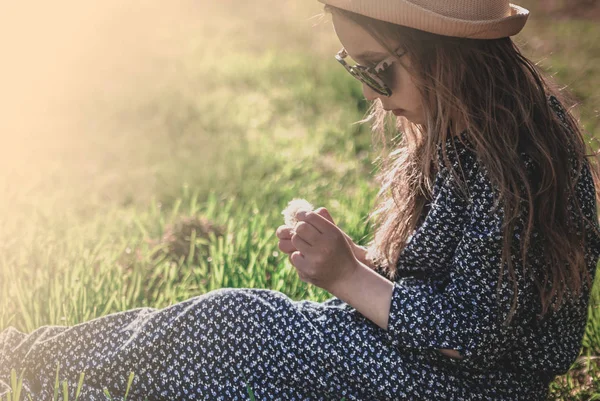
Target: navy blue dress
(212, 347)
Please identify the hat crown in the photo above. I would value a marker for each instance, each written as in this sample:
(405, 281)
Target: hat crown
(467, 9)
(475, 19)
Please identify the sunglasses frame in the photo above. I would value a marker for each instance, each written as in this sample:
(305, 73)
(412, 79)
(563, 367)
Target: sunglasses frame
(369, 75)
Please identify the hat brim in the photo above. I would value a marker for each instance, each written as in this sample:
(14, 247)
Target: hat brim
(405, 13)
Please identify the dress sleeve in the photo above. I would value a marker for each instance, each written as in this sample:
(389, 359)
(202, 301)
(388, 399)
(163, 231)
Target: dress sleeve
(463, 315)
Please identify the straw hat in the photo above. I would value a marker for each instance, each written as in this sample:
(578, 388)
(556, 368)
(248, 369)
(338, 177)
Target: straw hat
(476, 19)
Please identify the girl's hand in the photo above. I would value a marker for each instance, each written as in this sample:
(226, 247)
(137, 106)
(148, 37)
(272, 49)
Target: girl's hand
(323, 256)
(284, 233)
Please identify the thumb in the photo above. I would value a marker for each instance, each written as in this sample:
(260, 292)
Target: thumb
(324, 213)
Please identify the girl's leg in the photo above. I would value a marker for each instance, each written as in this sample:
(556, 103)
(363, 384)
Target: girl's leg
(208, 347)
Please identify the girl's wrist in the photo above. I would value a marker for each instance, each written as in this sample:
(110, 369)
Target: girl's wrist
(361, 254)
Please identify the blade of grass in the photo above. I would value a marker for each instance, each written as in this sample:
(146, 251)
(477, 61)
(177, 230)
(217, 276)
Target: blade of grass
(129, 381)
(79, 385)
(65, 391)
(56, 384)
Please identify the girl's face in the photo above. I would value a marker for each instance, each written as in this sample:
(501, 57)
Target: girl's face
(365, 50)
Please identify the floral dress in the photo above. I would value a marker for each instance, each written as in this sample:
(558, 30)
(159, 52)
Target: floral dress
(216, 345)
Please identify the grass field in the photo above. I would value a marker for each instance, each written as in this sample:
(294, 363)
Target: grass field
(171, 119)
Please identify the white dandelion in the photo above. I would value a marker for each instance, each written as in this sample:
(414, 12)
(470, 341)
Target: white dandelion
(293, 207)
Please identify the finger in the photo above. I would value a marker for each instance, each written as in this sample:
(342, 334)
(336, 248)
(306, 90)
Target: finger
(307, 232)
(316, 220)
(323, 212)
(300, 244)
(284, 232)
(298, 260)
(286, 246)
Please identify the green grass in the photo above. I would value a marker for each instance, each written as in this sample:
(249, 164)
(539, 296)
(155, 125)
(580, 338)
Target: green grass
(568, 50)
(230, 129)
(62, 388)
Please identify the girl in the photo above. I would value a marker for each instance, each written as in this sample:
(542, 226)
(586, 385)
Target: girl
(475, 286)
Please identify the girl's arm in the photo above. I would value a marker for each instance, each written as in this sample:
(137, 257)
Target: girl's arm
(367, 292)
(464, 316)
(371, 295)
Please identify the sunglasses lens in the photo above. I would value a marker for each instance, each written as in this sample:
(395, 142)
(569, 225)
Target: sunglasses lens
(364, 75)
(372, 81)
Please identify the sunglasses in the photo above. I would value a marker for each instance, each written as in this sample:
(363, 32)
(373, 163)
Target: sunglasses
(371, 76)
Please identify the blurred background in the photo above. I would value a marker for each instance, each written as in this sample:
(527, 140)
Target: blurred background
(149, 147)
(119, 102)
(128, 126)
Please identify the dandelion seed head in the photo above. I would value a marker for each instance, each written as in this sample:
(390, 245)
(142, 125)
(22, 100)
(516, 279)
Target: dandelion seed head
(293, 207)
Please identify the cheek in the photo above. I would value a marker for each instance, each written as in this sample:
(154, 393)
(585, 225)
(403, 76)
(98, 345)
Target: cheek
(404, 90)
(413, 94)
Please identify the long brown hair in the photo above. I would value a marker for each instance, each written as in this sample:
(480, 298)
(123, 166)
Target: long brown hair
(500, 97)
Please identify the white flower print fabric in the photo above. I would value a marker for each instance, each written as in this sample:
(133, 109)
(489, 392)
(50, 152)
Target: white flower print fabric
(214, 346)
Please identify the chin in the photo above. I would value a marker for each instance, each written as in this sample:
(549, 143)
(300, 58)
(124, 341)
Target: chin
(417, 122)
(410, 116)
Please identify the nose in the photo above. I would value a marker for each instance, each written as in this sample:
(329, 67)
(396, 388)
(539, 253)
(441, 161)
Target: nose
(369, 93)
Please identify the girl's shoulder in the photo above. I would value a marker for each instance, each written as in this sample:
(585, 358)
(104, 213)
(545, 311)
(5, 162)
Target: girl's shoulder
(461, 147)
(465, 164)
